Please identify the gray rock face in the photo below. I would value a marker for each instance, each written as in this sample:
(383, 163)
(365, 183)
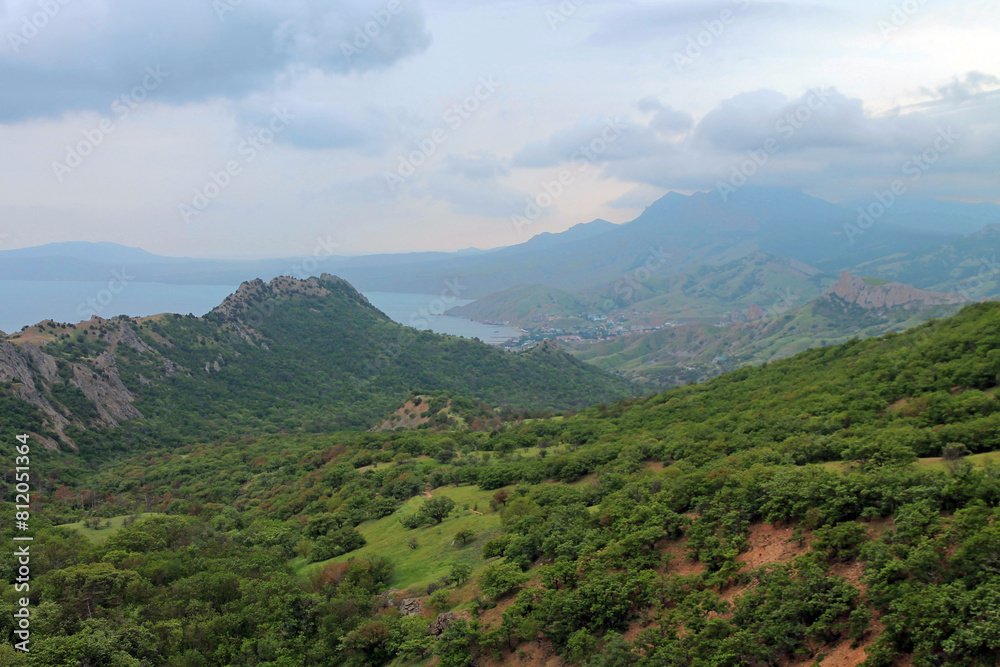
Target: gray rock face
(126, 335)
(105, 390)
(411, 607)
(33, 373)
(43, 363)
(889, 295)
(15, 367)
(443, 622)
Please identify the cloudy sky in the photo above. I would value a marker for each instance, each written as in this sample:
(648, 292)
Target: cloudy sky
(256, 128)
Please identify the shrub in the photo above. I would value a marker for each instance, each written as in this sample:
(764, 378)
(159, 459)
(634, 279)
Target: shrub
(500, 579)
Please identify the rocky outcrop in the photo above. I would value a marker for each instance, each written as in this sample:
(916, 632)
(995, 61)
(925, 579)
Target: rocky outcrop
(445, 621)
(411, 607)
(126, 335)
(751, 314)
(880, 295)
(105, 390)
(15, 368)
(251, 296)
(49, 382)
(44, 364)
(33, 374)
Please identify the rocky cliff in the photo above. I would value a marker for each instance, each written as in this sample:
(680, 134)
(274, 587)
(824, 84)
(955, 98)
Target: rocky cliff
(50, 382)
(874, 294)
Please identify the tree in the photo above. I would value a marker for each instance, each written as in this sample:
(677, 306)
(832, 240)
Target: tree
(453, 646)
(499, 499)
(500, 579)
(463, 537)
(440, 600)
(954, 451)
(438, 508)
(460, 572)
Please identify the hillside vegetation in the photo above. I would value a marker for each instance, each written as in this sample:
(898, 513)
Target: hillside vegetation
(774, 515)
(298, 356)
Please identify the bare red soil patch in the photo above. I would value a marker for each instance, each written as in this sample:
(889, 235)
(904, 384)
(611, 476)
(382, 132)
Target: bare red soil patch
(679, 563)
(770, 544)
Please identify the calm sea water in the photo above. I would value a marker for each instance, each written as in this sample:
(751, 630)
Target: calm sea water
(425, 311)
(25, 302)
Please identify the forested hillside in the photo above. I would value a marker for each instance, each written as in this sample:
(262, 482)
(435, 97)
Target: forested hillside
(838, 507)
(298, 356)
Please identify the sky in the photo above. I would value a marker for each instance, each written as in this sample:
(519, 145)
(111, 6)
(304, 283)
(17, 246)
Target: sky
(248, 128)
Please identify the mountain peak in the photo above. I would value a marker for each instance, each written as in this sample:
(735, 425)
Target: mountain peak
(252, 293)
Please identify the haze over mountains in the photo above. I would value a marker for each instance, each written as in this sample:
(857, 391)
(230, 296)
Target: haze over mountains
(719, 259)
(703, 228)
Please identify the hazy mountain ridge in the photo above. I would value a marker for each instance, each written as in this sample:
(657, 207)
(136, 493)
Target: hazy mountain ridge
(707, 293)
(703, 228)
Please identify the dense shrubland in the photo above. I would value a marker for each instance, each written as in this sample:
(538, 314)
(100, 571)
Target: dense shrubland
(621, 532)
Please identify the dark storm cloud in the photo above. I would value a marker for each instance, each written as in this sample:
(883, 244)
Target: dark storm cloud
(93, 51)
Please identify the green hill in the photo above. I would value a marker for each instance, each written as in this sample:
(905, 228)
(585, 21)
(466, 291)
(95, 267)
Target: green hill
(523, 305)
(966, 265)
(837, 507)
(289, 355)
(852, 308)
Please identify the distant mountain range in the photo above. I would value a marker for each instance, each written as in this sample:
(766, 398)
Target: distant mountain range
(703, 228)
(646, 296)
(707, 272)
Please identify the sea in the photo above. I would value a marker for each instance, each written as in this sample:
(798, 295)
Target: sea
(27, 302)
